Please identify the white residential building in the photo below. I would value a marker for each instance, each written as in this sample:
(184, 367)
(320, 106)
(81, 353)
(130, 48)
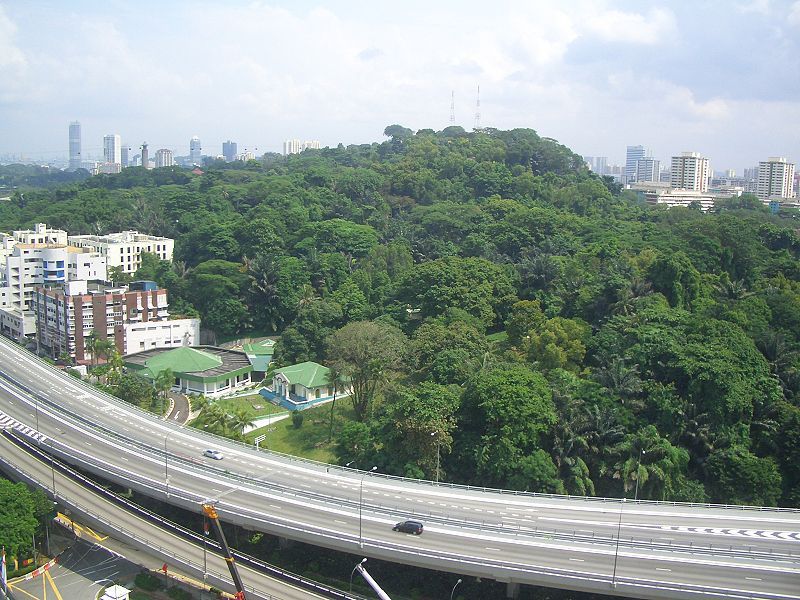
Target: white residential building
(125, 249)
(648, 169)
(292, 147)
(33, 265)
(775, 178)
(690, 171)
(112, 148)
(164, 158)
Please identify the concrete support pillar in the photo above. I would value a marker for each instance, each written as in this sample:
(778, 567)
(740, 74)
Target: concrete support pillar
(512, 590)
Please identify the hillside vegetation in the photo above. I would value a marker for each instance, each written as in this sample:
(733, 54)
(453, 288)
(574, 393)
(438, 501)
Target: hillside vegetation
(626, 344)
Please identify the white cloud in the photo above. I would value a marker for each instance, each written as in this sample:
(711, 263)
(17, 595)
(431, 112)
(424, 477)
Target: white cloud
(794, 14)
(617, 26)
(10, 54)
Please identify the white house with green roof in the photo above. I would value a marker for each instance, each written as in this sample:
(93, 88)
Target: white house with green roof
(198, 370)
(299, 386)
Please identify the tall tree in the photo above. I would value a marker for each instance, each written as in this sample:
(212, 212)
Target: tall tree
(367, 353)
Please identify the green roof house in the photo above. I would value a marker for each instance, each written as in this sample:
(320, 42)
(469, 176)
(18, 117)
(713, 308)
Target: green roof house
(299, 386)
(260, 355)
(198, 370)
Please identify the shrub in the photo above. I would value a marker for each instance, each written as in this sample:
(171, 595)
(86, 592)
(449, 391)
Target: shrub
(297, 419)
(147, 582)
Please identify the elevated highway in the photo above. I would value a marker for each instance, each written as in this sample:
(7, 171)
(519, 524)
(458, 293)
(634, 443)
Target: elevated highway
(637, 549)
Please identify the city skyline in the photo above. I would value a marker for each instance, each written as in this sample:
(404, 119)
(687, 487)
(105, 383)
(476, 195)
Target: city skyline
(572, 73)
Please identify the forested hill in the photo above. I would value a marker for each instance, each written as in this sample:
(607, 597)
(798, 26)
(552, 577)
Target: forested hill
(540, 329)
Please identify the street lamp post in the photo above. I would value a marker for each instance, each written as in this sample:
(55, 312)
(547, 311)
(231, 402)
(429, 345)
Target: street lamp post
(616, 551)
(361, 504)
(638, 468)
(453, 591)
(353, 572)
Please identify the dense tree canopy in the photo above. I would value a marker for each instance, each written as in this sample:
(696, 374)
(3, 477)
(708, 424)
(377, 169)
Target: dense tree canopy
(486, 286)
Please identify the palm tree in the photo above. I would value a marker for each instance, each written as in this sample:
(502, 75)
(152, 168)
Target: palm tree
(239, 420)
(163, 383)
(621, 379)
(568, 445)
(729, 291)
(649, 462)
(308, 296)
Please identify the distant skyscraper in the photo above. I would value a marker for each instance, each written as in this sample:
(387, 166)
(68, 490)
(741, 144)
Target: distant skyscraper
(311, 145)
(125, 155)
(291, 147)
(145, 156)
(647, 169)
(195, 151)
(164, 158)
(229, 151)
(74, 145)
(601, 165)
(633, 154)
(112, 148)
(690, 171)
(775, 178)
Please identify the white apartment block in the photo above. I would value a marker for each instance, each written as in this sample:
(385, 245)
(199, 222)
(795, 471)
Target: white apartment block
(297, 146)
(112, 148)
(164, 158)
(690, 171)
(648, 169)
(775, 178)
(125, 249)
(33, 265)
(134, 318)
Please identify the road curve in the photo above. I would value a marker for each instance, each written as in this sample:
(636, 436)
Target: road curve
(644, 549)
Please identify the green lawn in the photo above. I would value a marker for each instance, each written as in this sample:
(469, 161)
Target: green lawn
(311, 439)
(255, 403)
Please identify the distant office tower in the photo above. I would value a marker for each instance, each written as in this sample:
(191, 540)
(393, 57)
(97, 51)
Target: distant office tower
(633, 154)
(74, 145)
(145, 156)
(690, 171)
(775, 178)
(751, 174)
(291, 147)
(601, 165)
(164, 158)
(125, 155)
(112, 148)
(195, 151)
(647, 169)
(311, 145)
(229, 151)
(589, 160)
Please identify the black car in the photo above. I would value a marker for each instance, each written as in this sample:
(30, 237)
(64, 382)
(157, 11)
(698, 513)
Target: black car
(414, 527)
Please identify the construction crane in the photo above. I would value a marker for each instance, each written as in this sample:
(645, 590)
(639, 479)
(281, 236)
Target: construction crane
(210, 511)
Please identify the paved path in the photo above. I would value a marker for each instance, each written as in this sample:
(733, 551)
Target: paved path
(180, 409)
(264, 421)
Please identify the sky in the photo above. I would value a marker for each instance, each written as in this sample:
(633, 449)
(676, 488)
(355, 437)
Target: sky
(720, 77)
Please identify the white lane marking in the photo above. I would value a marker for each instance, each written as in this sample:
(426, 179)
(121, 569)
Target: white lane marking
(753, 579)
(660, 569)
(493, 549)
(577, 560)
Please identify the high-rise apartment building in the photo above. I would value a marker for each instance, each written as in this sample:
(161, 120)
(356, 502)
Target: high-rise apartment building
(74, 145)
(134, 318)
(164, 158)
(632, 156)
(648, 169)
(125, 249)
(291, 147)
(229, 151)
(775, 178)
(195, 151)
(124, 154)
(145, 156)
(33, 265)
(112, 148)
(601, 165)
(297, 146)
(690, 171)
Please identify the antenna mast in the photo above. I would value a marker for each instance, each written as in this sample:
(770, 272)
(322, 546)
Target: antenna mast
(478, 109)
(452, 107)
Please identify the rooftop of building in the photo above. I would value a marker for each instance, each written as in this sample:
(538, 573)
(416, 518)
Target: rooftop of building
(264, 347)
(308, 374)
(201, 361)
(119, 237)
